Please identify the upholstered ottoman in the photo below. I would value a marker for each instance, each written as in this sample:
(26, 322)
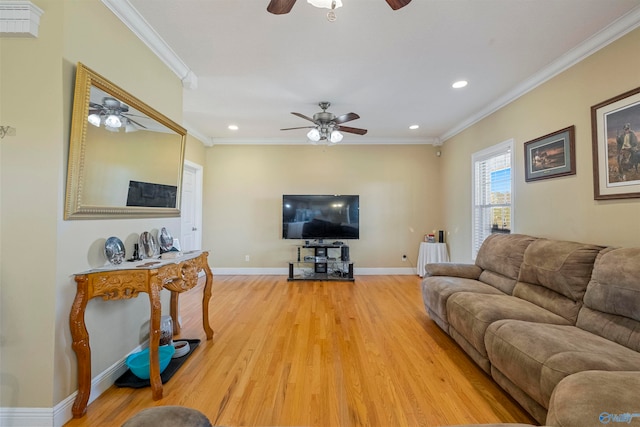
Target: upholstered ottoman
(168, 416)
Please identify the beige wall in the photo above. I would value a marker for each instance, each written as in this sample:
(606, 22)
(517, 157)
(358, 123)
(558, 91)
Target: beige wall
(398, 188)
(41, 251)
(195, 151)
(564, 207)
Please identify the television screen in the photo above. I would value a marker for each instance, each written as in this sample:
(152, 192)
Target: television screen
(320, 217)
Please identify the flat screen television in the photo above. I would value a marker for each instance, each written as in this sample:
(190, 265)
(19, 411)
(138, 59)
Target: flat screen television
(319, 217)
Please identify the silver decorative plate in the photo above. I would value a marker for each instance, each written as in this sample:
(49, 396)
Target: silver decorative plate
(114, 250)
(166, 239)
(148, 245)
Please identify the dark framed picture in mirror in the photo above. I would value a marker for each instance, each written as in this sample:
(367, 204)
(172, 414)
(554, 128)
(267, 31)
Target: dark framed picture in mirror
(117, 139)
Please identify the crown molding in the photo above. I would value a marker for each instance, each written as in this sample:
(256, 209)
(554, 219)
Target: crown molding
(197, 134)
(141, 28)
(305, 141)
(601, 39)
(19, 19)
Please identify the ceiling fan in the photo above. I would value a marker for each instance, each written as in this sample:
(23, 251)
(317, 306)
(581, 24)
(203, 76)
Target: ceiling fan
(280, 7)
(113, 114)
(327, 126)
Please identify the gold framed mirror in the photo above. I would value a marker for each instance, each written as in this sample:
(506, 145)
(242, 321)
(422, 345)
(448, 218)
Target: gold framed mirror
(125, 158)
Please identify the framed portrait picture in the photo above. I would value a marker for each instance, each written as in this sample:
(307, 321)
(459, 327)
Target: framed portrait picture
(550, 156)
(615, 129)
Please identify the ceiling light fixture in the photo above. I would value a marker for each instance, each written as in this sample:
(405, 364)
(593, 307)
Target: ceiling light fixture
(414, 127)
(326, 4)
(113, 121)
(314, 135)
(335, 137)
(459, 84)
(94, 119)
(233, 127)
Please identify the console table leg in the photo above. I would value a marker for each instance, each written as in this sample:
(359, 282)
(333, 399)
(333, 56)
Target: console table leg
(174, 312)
(154, 337)
(80, 346)
(206, 296)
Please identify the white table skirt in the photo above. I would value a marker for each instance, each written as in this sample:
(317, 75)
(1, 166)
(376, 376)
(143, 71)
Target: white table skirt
(431, 253)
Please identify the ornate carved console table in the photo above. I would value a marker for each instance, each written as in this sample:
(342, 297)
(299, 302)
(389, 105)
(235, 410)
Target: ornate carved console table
(126, 281)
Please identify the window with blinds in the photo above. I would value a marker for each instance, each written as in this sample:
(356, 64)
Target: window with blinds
(492, 193)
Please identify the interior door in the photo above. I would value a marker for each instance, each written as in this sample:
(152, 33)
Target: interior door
(191, 212)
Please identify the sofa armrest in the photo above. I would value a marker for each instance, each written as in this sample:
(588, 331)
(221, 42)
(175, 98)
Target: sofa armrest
(591, 398)
(466, 271)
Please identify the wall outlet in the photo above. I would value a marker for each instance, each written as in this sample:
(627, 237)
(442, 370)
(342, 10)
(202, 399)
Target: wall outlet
(247, 258)
(404, 258)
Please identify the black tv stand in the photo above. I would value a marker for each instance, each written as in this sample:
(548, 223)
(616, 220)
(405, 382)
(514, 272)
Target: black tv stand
(322, 261)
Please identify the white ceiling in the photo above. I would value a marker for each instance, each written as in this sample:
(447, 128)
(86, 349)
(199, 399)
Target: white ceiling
(393, 68)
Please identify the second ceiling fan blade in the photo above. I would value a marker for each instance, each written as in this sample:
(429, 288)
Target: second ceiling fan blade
(352, 130)
(346, 118)
(398, 4)
(280, 7)
(302, 116)
(302, 127)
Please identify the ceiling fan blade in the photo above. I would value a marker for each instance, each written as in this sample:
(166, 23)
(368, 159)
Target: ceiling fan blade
(280, 7)
(303, 127)
(136, 123)
(346, 118)
(398, 4)
(302, 116)
(352, 130)
(96, 106)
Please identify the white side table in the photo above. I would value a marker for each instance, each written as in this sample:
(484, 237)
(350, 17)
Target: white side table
(431, 253)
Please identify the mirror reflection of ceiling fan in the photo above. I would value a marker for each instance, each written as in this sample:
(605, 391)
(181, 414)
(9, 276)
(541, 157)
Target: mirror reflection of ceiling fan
(327, 126)
(280, 7)
(114, 115)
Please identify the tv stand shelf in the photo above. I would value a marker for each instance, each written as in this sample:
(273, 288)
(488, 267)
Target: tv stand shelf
(320, 261)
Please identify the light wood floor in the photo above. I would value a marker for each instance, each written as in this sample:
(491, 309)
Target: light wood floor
(319, 354)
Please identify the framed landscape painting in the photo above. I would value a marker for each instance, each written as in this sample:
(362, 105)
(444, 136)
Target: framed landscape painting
(550, 156)
(615, 129)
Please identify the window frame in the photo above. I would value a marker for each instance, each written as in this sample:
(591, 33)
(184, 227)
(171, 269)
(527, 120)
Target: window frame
(481, 156)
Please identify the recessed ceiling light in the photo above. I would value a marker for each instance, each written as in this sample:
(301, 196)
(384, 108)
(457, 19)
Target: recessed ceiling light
(233, 127)
(413, 127)
(459, 84)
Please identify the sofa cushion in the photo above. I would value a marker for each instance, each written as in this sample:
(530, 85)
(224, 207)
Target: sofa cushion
(555, 274)
(536, 356)
(612, 301)
(501, 256)
(437, 289)
(595, 398)
(471, 314)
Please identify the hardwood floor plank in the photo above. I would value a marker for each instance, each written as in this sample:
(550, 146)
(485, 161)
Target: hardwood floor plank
(360, 353)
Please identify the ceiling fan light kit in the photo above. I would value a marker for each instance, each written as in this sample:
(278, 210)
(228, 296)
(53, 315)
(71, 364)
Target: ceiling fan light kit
(113, 114)
(282, 7)
(326, 4)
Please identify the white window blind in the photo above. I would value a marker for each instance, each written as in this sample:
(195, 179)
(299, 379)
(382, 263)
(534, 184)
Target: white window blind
(492, 193)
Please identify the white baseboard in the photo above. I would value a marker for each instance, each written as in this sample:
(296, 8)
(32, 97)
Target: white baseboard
(61, 413)
(403, 271)
(23, 417)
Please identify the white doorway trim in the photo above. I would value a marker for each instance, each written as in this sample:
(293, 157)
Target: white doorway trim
(197, 171)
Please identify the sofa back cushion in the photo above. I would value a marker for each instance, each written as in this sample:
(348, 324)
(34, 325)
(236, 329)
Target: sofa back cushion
(500, 257)
(555, 274)
(612, 300)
